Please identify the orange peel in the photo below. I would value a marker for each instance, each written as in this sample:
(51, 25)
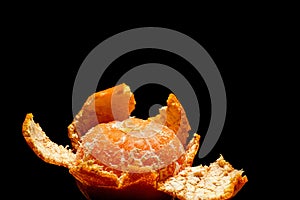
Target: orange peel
(117, 155)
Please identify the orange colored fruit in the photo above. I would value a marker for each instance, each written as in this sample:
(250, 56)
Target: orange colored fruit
(118, 156)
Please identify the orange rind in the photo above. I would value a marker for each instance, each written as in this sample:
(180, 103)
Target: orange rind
(219, 180)
(115, 155)
(115, 103)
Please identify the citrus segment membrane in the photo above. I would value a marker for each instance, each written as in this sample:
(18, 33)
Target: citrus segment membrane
(133, 145)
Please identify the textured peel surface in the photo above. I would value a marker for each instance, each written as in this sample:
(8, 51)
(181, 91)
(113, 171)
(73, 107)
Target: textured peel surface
(43, 147)
(217, 181)
(173, 116)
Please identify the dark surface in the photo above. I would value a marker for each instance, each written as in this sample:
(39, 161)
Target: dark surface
(43, 59)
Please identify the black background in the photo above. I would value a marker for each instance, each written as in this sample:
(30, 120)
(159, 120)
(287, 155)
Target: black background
(42, 58)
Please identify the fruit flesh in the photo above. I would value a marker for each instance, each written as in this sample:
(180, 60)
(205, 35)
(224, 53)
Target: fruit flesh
(133, 145)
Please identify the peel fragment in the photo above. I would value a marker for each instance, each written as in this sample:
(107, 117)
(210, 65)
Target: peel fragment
(115, 103)
(43, 147)
(217, 181)
(174, 117)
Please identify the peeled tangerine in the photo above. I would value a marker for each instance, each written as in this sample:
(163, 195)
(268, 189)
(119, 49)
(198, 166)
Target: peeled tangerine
(118, 156)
